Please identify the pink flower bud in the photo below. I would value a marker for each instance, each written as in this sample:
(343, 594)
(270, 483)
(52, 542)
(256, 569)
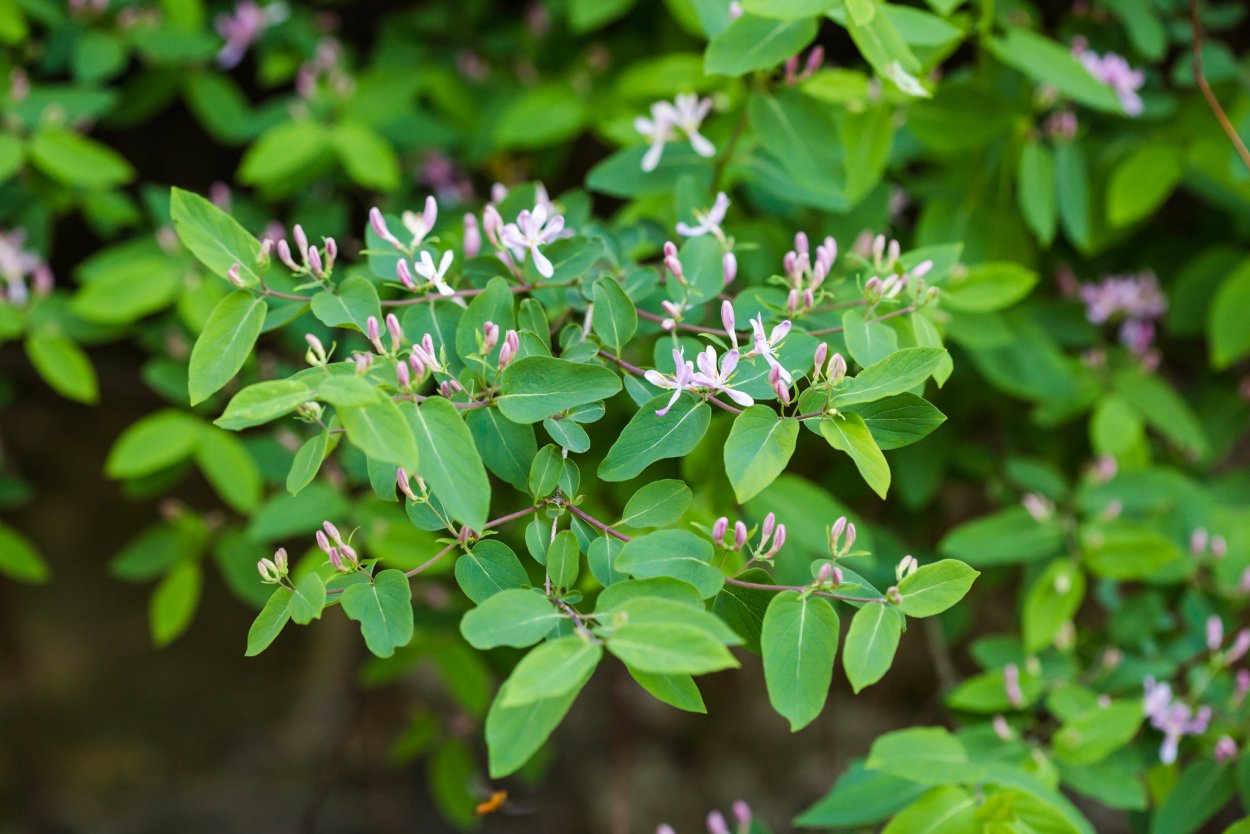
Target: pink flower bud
(1219, 547)
(1225, 749)
(719, 529)
(778, 541)
(449, 387)
(396, 332)
(472, 236)
(800, 243)
(405, 275)
(740, 535)
(378, 222)
(280, 560)
(363, 361)
(332, 252)
(782, 391)
(314, 263)
(837, 368)
(672, 309)
(1011, 683)
(893, 252)
(301, 240)
(349, 555)
(670, 249)
(1215, 633)
(716, 823)
(1241, 645)
(818, 360)
(742, 813)
(665, 828)
(922, 269)
(492, 223)
(835, 533)
(872, 286)
(284, 255)
(790, 264)
(418, 367)
(430, 215)
(792, 302)
(402, 480)
(402, 374)
(336, 558)
(825, 574)
(728, 321)
(729, 265)
(674, 266)
(815, 59)
(766, 529)
(1198, 540)
(850, 536)
(332, 531)
(809, 299)
(511, 344)
(268, 572)
(791, 67)
(837, 576)
(233, 276)
(490, 336)
(373, 331)
(322, 541)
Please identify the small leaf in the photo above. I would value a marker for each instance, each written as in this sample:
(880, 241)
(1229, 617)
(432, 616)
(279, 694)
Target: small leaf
(383, 608)
(648, 438)
(450, 462)
(870, 644)
(657, 504)
(489, 568)
(63, 365)
(269, 622)
(848, 433)
(758, 448)
(614, 318)
(933, 588)
(229, 467)
(174, 602)
(554, 668)
(514, 618)
(213, 236)
(155, 442)
(536, 387)
(309, 598)
(18, 558)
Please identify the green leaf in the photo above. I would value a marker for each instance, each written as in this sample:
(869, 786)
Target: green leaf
(554, 668)
(514, 734)
(568, 434)
(1204, 788)
(286, 155)
(799, 642)
(269, 622)
(351, 304)
(538, 386)
(511, 617)
(669, 649)
(493, 304)
(900, 420)
(795, 128)
(225, 343)
(944, 808)
(925, 755)
(882, 46)
(1037, 192)
(848, 433)
(77, 161)
(18, 558)
(381, 431)
(614, 318)
(679, 554)
(507, 448)
(675, 690)
(227, 465)
(1142, 181)
(1052, 600)
(1072, 178)
(1049, 63)
(213, 236)
(648, 437)
(563, 559)
(787, 9)
(450, 462)
(933, 588)
(758, 448)
(155, 442)
(121, 297)
(867, 341)
(543, 115)
(262, 402)
(1127, 552)
(63, 365)
(870, 644)
(1097, 732)
(1226, 323)
(860, 798)
(657, 504)
(307, 462)
(174, 602)
(309, 598)
(1162, 408)
(366, 156)
(545, 471)
(987, 287)
(743, 609)
(899, 372)
(1006, 537)
(489, 568)
(383, 607)
(754, 43)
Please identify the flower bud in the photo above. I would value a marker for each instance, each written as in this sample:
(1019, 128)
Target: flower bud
(511, 344)
(792, 302)
(336, 559)
(402, 481)
(268, 571)
(1219, 547)
(373, 331)
(742, 813)
(809, 299)
(472, 236)
(836, 369)
(490, 336)
(778, 540)
(314, 263)
(396, 332)
(674, 266)
(1215, 633)
(800, 242)
(322, 541)
(818, 361)
(850, 537)
(1225, 749)
(492, 223)
(891, 255)
(716, 823)
(728, 321)
(835, 533)
(670, 249)
(284, 255)
(740, 535)
(378, 222)
(402, 374)
(362, 361)
(301, 240)
(825, 574)
(280, 560)
(233, 276)
(815, 59)
(1241, 645)
(405, 275)
(782, 390)
(719, 529)
(349, 555)
(449, 387)
(332, 252)
(1011, 683)
(729, 266)
(316, 355)
(766, 529)
(906, 566)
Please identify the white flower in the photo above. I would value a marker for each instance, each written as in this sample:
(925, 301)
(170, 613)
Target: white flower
(717, 379)
(678, 382)
(766, 346)
(530, 231)
(709, 221)
(436, 275)
(686, 113)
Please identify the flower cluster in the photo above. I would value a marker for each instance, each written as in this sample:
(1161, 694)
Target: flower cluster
(717, 824)
(17, 264)
(1172, 717)
(1114, 71)
(1135, 300)
(243, 26)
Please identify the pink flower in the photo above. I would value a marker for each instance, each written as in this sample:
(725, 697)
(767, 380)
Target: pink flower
(717, 379)
(1114, 71)
(766, 345)
(680, 381)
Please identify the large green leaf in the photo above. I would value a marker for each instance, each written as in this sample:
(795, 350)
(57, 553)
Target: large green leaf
(679, 554)
(214, 237)
(18, 558)
(799, 642)
(381, 431)
(933, 588)
(383, 607)
(614, 318)
(900, 371)
(450, 462)
(648, 437)
(514, 734)
(536, 387)
(759, 447)
(1047, 62)
(513, 617)
(849, 433)
(870, 644)
(155, 442)
(754, 43)
(225, 343)
(552, 669)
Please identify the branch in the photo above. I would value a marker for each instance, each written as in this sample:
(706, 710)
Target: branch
(763, 587)
(1212, 101)
(594, 522)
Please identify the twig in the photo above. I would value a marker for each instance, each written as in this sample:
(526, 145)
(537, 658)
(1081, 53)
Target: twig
(1213, 102)
(591, 520)
(763, 587)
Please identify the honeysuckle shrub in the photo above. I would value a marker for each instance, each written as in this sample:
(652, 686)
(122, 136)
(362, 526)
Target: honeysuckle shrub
(533, 430)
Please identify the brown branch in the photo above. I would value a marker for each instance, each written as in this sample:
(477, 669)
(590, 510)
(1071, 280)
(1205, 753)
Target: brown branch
(1208, 93)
